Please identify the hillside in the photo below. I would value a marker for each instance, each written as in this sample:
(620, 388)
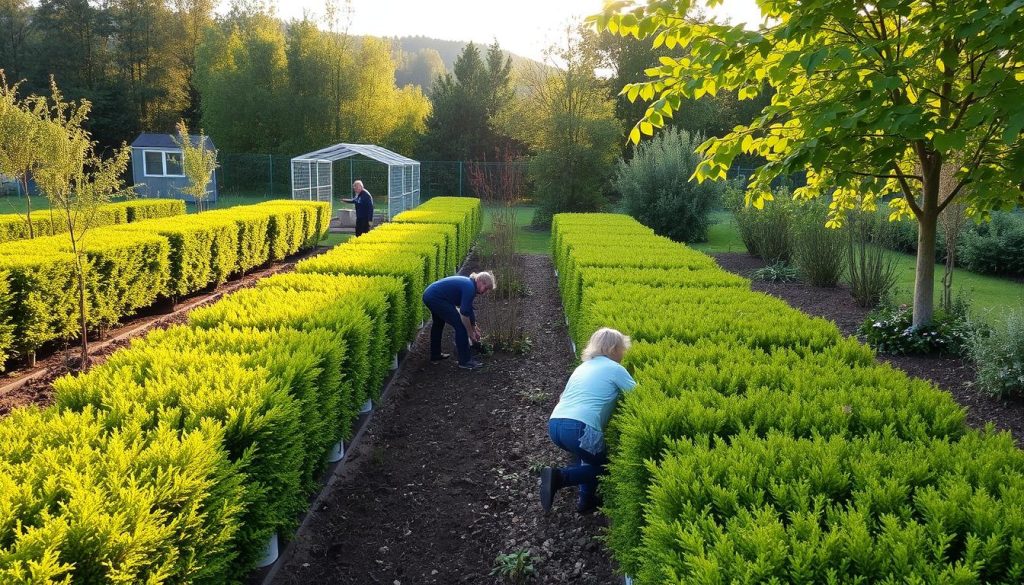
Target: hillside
(424, 58)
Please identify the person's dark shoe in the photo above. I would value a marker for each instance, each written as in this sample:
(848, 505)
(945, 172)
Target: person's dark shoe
(550, 482)
(471, 365)
(440, 358)
(588, 504)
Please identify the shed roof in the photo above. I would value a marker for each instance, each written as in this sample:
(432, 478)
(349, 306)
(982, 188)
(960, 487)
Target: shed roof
(343, 150)
(151, 140)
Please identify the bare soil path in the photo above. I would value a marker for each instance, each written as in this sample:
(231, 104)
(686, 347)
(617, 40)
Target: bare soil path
(443, 480)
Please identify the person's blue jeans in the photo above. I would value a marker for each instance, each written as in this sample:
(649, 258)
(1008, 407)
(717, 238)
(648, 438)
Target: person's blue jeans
(586, 466)
(442, 312)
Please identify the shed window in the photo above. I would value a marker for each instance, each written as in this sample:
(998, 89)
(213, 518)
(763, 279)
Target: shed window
(162, 163)
(172, 162)
(154, 162)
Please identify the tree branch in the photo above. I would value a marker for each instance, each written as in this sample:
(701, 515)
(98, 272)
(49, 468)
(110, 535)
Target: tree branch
(907, 192)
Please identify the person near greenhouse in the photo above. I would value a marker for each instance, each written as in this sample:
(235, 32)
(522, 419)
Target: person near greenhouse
(364, 207)
(450, 301)
(578, 421)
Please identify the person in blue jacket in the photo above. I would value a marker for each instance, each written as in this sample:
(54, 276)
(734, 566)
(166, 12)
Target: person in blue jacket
(577, 424)
(364, 207)
(450, 301)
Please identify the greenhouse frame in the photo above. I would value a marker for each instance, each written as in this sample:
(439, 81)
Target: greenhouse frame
(312, 175)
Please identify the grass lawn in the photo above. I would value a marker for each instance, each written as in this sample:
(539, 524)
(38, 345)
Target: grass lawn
(989, 296)
(333, 239)
(530, 241)
(723, 236)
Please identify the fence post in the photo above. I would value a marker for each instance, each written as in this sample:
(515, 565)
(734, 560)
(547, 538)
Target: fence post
(271, 184)
(460, 178)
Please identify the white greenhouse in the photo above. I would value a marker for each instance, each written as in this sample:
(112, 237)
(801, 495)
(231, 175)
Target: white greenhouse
(313, 175)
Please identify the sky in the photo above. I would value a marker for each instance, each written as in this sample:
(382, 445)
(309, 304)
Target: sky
(524, 27)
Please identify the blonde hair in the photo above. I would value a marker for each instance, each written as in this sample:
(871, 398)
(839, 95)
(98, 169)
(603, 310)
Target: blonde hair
(605, 341)
(485, 277)
(357, 182)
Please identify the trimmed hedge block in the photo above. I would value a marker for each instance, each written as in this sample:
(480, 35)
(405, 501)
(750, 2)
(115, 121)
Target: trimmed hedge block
(761, 446)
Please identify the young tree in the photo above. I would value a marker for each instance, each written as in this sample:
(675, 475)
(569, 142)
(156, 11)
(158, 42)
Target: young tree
(20, 150)
(577, 137)
(865, 93)
(77, 181)
(198, 163)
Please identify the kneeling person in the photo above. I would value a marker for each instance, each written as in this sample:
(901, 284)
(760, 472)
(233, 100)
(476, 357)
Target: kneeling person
(577, 424)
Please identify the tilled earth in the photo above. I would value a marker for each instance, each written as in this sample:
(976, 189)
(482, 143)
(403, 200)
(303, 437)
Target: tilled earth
(444, 480)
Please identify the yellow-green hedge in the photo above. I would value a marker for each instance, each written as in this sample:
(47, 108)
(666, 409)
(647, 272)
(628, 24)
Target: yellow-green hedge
(14, 226)
(176, 459)
(129, 266)
(760, 446)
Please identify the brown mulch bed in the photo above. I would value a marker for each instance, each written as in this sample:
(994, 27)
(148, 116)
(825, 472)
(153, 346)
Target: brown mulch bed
(441, 482)
(953, 374)
(62, 360)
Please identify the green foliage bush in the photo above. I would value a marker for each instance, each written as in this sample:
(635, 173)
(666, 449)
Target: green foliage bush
(817, 252)
(761, 446)
(464, 213)
(6, 318)
(777, 272)
(656, 188)
(407, 266)
(889, 329)
(999, 357)
(177, 458)
(870, 509)
(995, 247)
(445, 234)
(43, 296)
(765, 232)
(140, 209)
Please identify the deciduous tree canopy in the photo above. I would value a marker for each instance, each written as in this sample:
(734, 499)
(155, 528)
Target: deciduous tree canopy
(870, 100)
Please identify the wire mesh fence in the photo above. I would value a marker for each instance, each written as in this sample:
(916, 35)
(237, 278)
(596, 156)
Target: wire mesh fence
(264, 175)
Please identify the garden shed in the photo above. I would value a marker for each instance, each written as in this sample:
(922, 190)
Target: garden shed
(313, 175)
(157, 167)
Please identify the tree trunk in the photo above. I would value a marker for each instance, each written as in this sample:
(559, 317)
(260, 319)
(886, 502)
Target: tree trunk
(28, 206)
(924, 277)
(81, 310)
(927, 227)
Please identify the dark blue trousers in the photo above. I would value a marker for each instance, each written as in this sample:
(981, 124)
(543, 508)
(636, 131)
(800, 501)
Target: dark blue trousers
(586, 466)
(443, 312)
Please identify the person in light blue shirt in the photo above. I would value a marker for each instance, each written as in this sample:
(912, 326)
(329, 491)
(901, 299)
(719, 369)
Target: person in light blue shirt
(577, 424)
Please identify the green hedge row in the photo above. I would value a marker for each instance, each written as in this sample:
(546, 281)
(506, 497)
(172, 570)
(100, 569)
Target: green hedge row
(465, 213)
(128, 267)
(177, 458)
(14, 226)
(761, 446)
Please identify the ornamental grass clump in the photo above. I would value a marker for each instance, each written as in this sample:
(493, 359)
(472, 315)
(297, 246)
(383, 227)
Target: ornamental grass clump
(817, 251)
